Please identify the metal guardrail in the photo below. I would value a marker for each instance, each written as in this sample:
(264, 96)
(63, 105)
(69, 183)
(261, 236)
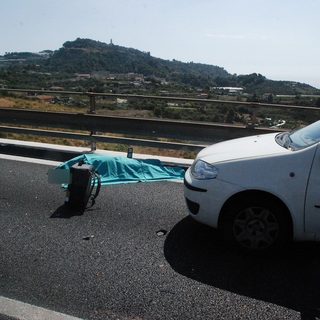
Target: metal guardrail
(191, 136)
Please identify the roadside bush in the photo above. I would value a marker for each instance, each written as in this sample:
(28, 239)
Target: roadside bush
(157, 112)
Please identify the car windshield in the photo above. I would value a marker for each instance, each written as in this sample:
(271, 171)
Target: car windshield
(300, 138)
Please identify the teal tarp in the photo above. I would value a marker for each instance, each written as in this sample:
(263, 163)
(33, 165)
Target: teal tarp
(118, 169)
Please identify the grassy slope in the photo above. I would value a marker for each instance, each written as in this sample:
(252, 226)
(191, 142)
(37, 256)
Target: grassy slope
(9, 102)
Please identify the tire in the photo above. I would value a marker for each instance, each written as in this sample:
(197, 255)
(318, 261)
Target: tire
(256, 224)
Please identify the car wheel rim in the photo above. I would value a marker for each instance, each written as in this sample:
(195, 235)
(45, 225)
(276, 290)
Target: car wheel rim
(255, 228)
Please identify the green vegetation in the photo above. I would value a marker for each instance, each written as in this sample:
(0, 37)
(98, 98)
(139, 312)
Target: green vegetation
(87, 65)
(115, 63)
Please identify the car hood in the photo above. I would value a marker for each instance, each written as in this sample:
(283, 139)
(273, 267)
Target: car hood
(248, 147)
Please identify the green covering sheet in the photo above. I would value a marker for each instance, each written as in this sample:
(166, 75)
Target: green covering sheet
(118, 169)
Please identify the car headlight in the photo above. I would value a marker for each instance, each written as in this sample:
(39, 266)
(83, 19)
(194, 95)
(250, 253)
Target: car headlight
(202, 170)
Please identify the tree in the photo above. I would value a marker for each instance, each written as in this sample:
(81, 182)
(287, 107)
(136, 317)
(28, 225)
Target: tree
(157, 112)
(230, 115)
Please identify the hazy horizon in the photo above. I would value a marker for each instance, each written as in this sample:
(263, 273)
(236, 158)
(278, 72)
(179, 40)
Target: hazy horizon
(276, 39)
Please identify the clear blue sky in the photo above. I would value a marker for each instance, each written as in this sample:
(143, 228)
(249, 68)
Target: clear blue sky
(277, 38)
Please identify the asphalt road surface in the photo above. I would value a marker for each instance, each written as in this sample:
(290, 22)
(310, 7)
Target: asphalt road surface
(137, 255)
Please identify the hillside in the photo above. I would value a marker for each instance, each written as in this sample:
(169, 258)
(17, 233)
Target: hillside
(85, 56)
(89, 56)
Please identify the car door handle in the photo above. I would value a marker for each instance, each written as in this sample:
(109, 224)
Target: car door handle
(317, 206)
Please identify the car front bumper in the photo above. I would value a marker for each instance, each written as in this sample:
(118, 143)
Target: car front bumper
(205, 198)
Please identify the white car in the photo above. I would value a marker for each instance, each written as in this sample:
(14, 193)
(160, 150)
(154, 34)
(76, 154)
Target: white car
(261, 191)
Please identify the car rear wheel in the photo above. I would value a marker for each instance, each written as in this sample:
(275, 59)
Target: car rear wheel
(255, 224)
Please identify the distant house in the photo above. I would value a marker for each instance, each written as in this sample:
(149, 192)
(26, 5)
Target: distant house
(267, 97)
(203, 96)
(122, 102)
(100, 75)
(232, 91)
(57, 88)
(139, 79)
(46, 99)
(83, 75)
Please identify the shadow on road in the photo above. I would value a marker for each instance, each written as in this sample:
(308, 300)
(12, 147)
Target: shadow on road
(290, 279)
(65, 212)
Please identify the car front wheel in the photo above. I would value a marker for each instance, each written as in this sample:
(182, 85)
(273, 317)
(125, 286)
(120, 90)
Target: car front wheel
(255, 224)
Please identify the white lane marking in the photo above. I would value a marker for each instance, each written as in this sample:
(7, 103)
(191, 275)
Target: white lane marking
(25, 311)
(30, 160)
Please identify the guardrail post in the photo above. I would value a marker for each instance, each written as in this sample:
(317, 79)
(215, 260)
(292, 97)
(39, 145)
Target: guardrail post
(92, 109)
(93, 143)
(255, 107)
